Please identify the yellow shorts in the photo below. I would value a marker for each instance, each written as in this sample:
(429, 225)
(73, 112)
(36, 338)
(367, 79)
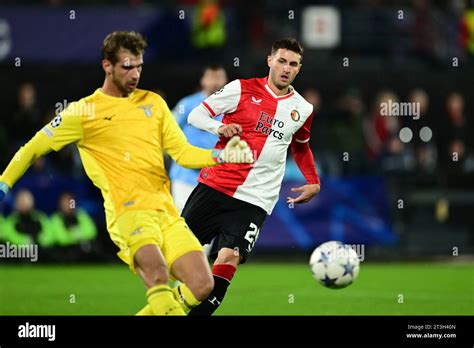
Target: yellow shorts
(134, 229)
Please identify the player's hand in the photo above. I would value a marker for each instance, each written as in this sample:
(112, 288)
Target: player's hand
(306, 193)
(3, 190)
(236, 151)
(229, 130)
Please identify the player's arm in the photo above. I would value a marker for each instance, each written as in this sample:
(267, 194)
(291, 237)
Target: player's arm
(303, 156)
(23, 159)
(63, 130)
(177, 146)
(189, 156)
(224, 101)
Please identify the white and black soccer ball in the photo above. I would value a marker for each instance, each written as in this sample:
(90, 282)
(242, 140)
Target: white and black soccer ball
(56, 122)
(334, 265)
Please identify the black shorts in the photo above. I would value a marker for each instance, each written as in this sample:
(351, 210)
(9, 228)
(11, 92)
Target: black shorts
(235, 224)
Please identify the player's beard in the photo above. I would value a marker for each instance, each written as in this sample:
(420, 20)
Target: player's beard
(281, 86)
(122, 87)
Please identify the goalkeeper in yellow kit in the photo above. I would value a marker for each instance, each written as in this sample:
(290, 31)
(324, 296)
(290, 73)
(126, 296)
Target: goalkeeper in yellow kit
(121, 133)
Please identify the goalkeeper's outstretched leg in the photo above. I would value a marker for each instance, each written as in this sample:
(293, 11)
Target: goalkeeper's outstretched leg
(150, 264)
(192, 270)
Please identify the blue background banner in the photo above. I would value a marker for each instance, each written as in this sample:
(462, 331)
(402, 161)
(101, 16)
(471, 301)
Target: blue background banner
(352, 210)
(62, 35)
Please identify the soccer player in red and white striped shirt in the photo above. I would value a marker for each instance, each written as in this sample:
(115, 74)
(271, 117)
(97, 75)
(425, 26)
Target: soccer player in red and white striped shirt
(231, 202)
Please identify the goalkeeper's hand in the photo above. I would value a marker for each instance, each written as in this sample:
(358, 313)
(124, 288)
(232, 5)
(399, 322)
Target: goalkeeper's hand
(236, 151)
(3, 190)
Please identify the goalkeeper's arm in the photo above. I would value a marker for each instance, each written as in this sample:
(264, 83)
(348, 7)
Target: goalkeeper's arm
(189, 156)
(63, 130)
(23, 159)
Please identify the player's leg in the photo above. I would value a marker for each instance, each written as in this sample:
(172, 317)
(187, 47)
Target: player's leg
(196, 281)
(140, 239)
(239, 224)
(223, 272)
(187, 262)
(206, 211)
(193, 271)
(151, 266)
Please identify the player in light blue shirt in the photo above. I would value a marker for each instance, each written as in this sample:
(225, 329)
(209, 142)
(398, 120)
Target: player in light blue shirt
(184, 180)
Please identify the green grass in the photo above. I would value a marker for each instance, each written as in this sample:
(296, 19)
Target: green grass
(257, 289)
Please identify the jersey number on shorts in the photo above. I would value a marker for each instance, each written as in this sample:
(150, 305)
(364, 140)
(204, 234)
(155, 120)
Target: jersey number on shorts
(252, 235)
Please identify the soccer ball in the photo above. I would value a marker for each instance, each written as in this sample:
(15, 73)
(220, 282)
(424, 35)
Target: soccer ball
(56, 122)
(334, 265)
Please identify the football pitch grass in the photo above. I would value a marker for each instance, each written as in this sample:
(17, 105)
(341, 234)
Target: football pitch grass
(257, 289)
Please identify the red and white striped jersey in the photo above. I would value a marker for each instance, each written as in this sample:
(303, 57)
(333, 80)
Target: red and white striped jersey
(269, 124)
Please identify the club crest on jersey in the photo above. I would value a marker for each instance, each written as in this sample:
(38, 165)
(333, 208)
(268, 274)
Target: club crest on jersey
(256, 101)
(56, 122)
(295, 115)
(146, 109)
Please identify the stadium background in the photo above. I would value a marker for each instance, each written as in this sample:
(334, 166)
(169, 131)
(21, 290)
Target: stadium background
(409, 204)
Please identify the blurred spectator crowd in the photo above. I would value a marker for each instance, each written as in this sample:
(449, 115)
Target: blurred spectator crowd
(350, 137)
(27, 117)
(67, 235)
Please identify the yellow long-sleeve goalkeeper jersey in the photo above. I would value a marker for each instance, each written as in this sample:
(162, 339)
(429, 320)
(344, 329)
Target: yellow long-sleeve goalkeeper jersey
(121, 143)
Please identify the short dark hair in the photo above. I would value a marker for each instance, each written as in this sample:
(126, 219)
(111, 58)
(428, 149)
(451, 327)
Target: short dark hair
(289, 44)
(129, 40)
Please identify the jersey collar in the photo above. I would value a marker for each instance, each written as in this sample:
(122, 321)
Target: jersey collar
(278, 97)
(99, 91)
